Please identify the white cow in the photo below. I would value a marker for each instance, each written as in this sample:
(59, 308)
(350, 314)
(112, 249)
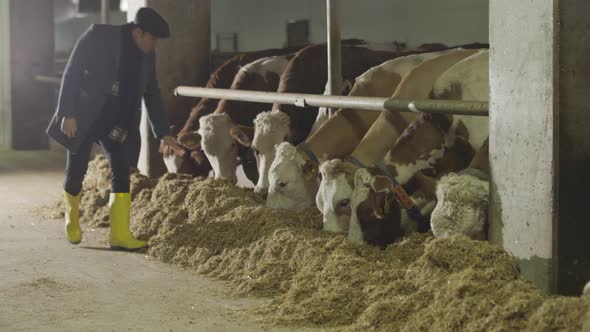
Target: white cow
(270, 129)
(333, 196)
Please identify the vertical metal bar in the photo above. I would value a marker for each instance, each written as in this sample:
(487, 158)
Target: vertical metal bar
(104, 11)
(5, 77)
(334, 49)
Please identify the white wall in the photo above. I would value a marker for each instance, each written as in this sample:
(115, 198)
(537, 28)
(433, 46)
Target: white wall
(261, 24)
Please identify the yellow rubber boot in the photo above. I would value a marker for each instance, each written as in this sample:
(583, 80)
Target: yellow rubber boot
(119, 212)
(72, 214)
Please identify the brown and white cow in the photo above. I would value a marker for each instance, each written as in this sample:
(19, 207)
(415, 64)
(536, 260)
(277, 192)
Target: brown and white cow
(223, 135)
(195, 162)
(423, 149)
(383, 134)
(292, 185)
(307, 73)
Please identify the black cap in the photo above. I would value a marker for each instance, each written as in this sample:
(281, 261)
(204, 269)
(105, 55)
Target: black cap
(150, 21)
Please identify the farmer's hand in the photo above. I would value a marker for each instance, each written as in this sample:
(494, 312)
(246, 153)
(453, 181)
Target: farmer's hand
(69, 126)
(169, 146)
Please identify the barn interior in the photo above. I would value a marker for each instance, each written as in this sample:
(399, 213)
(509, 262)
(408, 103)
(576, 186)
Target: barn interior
(220, 256)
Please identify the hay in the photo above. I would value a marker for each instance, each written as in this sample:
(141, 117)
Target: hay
(318, 278)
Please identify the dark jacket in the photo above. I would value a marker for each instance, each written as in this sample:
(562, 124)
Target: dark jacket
(88, 81)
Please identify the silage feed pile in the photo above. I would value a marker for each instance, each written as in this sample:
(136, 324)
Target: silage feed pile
(320, 279)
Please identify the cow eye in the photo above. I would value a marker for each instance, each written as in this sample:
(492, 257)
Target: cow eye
(282, 184)
(344, 203)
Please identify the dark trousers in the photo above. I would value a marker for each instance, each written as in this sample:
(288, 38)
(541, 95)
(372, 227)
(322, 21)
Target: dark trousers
(118, 156)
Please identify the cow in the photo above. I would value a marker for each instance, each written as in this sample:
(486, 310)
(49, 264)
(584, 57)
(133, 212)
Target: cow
(383, 134)
(223, 134)
(292, 185)
(306, 73)
(195, 162)
(438, 146)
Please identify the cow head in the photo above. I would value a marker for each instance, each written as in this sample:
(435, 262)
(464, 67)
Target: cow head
(376, 216)
(270, 129)
(293, 179)
(334, 194)
(462, 205)
(193, 161)
(220, 139)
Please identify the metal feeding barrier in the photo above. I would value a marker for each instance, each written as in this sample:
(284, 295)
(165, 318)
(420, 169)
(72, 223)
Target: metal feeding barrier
(475, 108)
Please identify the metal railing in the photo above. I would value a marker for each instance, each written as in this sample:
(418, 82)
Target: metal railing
(474, 108)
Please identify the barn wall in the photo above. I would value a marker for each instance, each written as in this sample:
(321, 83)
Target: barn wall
(181, 60)
(574, 147)
(68, 30)
(261, 24)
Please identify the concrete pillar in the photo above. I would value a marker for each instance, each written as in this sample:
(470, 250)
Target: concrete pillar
(181, 60)
(5, 93)
(524, 137)
(31, 54)
(574, 147)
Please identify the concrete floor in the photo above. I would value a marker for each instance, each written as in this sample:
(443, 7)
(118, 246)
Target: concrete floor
(46, 284)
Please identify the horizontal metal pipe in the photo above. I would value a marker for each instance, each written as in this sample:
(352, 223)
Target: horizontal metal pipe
(297, 99)
(458, 107)
(365, 103)
(48, 79)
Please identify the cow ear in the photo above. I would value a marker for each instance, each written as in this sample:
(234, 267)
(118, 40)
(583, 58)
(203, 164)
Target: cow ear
(380, 204)
(309, 169)
(381, 184)
(362, 177)
(242, 135)
(191, 140)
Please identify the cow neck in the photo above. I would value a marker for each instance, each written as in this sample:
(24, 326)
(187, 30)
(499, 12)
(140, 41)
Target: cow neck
(380, 138)
(426, 134)
(480, 165)
(338, 136)
(308, 152)
(481, 160)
